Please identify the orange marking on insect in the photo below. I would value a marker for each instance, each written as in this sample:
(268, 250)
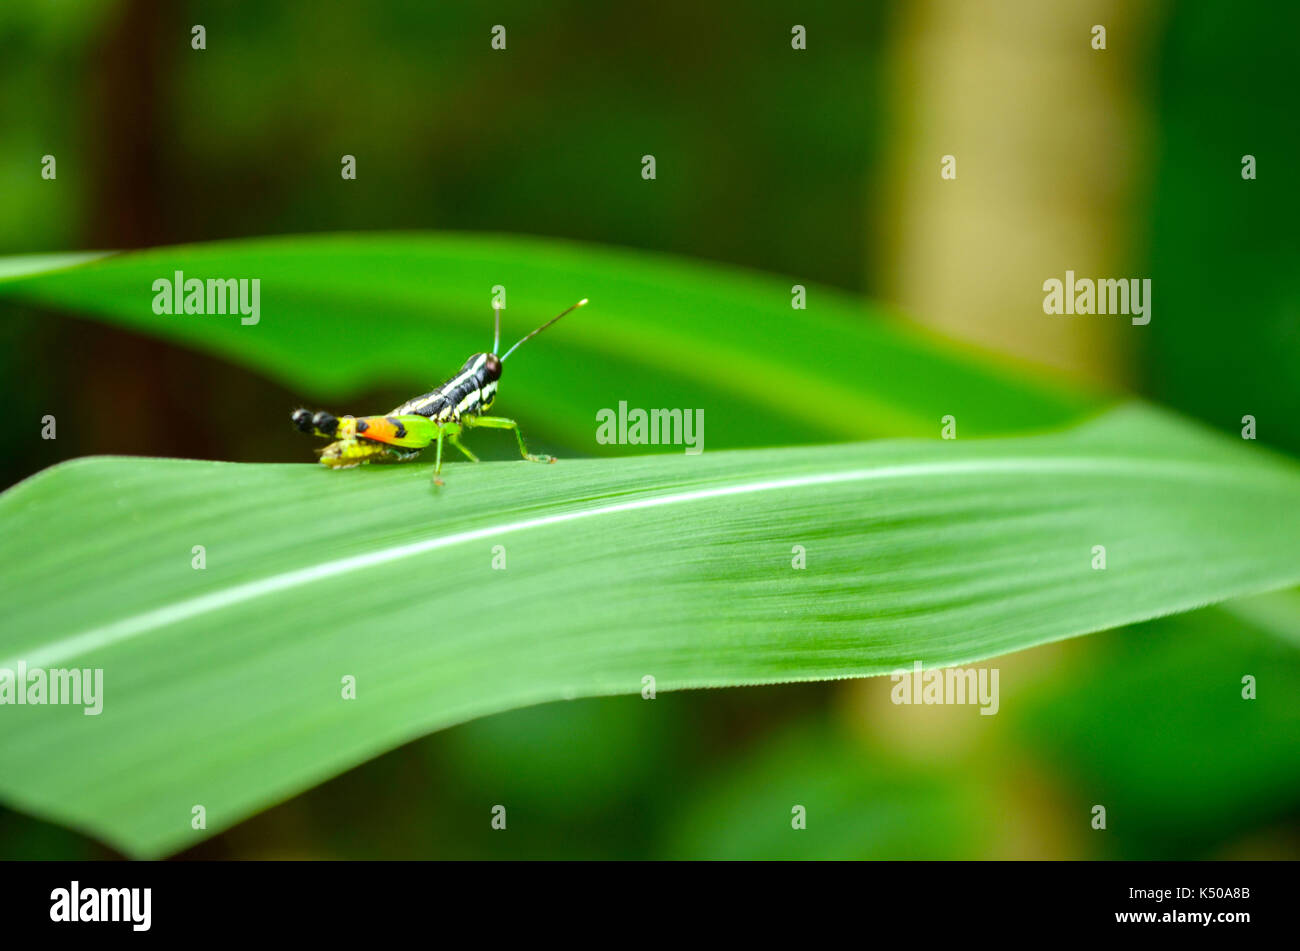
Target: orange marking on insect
(380, 429)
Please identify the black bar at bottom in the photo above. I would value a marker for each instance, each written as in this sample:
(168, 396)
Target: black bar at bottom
(655, 901)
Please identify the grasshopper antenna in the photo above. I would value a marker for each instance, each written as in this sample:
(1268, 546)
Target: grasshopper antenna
(496, 336)
(543, 327)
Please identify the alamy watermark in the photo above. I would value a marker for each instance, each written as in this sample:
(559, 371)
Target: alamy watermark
(949, 685)
(656, 427)
(82, 687)
(1106, 296)
(132, 906)
(177, 295)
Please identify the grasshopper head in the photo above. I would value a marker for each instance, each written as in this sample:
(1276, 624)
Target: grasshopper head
(487, 365)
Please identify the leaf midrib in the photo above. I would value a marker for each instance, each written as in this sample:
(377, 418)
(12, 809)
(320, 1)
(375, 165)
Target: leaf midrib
(65, 648)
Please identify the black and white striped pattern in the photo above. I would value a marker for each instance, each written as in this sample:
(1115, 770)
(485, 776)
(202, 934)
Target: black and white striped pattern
(469, 393)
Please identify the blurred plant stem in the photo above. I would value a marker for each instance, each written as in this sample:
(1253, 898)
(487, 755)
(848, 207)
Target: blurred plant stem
(1047, 134)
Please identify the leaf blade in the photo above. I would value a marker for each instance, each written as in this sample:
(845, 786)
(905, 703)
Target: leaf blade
(658, 327)
(946, 552)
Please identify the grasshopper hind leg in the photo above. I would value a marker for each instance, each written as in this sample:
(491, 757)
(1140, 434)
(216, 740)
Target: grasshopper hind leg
(351, 452)
(501, 422)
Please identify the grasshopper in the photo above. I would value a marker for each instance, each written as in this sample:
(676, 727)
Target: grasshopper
(441, 414)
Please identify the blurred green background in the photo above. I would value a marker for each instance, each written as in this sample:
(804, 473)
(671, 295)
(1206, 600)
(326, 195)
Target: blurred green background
(820, 164)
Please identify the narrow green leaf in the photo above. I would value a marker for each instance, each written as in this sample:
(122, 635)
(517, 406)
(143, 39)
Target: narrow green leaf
(222, 686)
(342, 312)
(34, 265)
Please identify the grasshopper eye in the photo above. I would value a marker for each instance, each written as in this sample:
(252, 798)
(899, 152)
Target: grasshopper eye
(302, 419)
(492, 368)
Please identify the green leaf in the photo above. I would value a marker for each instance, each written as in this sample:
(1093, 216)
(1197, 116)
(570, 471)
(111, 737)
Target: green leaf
(28, 265)
(339, 313)
(222, 686)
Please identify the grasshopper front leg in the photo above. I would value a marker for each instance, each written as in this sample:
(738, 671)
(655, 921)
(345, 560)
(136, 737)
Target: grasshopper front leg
(437, 463)
(455, 441)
